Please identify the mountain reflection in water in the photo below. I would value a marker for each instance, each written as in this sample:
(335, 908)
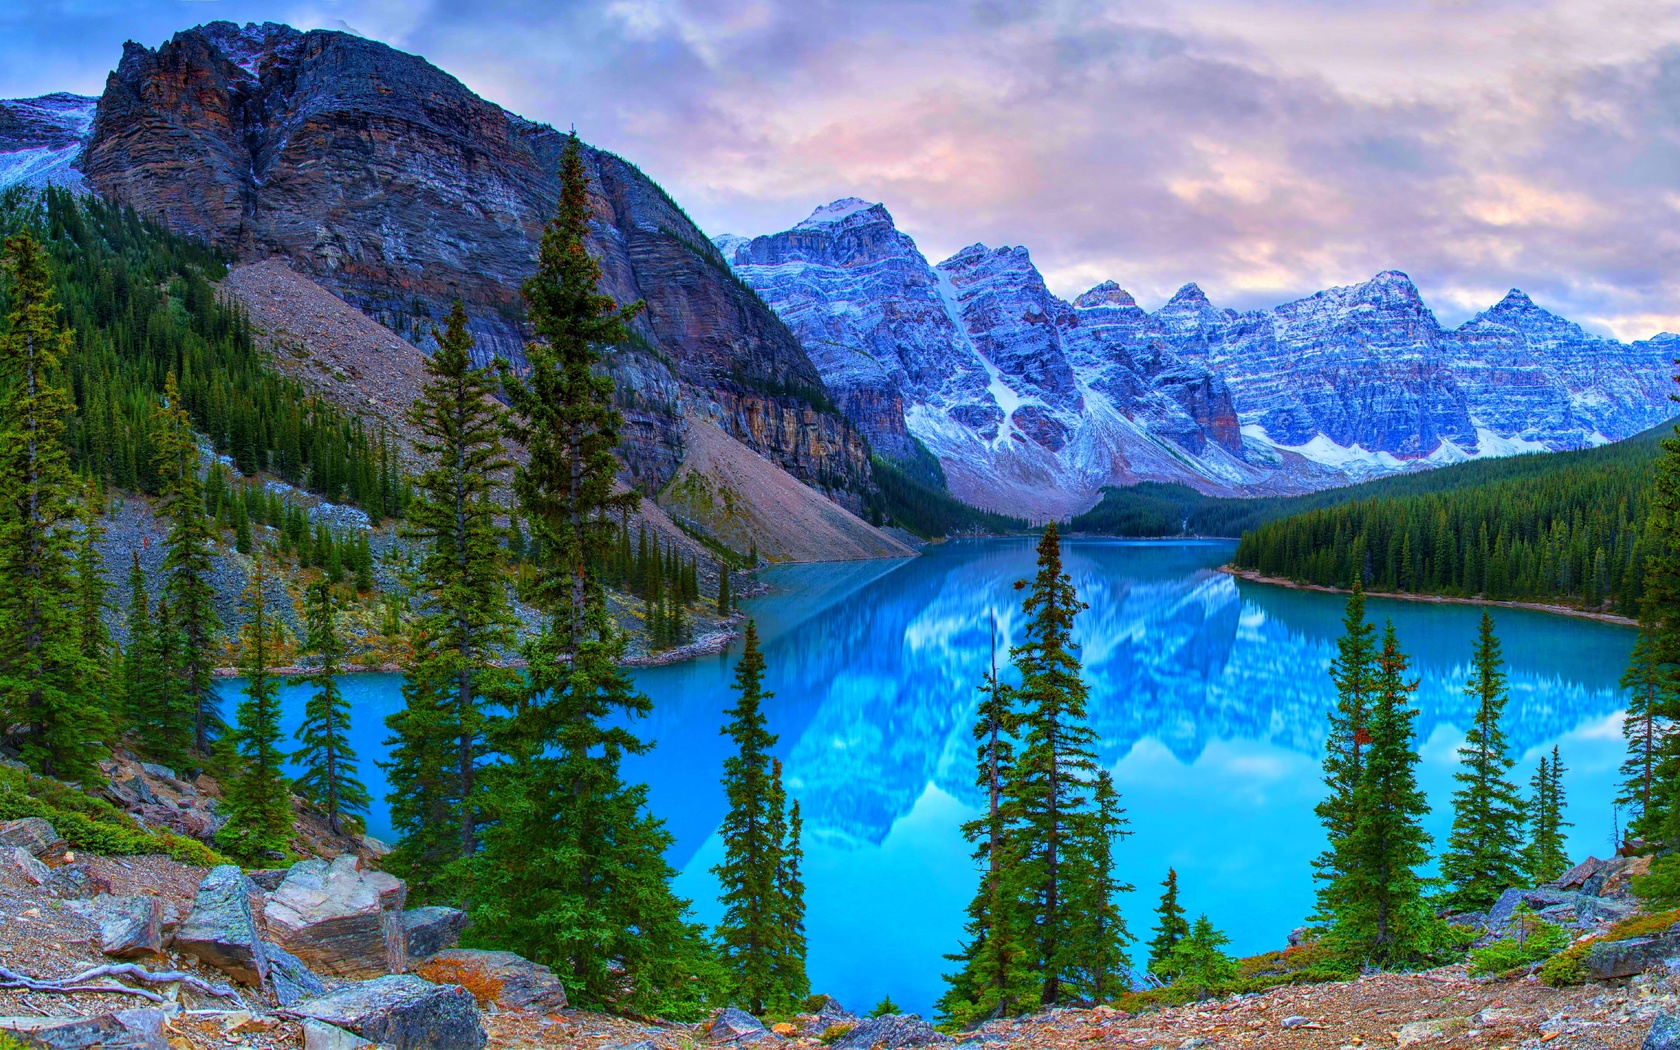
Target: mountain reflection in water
(1209, 696)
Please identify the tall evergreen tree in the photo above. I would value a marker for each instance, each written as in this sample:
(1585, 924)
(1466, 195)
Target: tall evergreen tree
(1170, 924)
(788, 971)
(468, 624)
(1353, 671)
(724, 605)
(186, 562)
(573, 872)
(91, 590)
(1544, 858)
(1381, 916)
(329, 763)
(1482, 858)
(1647, 733)
(1657, 661)
(140, 690)
(994, 978)
(46, 681)
(1051, 787)
(259, 803)
(755, 873)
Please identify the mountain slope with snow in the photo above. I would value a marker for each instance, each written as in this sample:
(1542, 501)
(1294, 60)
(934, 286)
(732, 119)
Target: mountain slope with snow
(1032, 404)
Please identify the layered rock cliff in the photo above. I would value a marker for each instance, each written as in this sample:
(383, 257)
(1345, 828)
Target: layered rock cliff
(390, 182)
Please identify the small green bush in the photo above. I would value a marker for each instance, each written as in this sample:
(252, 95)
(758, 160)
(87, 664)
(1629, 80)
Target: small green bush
(1568, 967)
(1659, 889)
(830, 1035)
(1530, 940)
(884, 1007)
(92, 824)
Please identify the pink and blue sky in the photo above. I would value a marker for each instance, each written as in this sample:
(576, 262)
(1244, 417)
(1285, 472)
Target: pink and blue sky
(1262, 148)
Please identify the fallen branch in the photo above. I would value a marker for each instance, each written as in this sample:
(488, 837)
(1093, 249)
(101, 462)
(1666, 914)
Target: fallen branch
(65, 985)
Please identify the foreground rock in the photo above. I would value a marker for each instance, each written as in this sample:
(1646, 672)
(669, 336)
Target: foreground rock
(318, 1035)
(25, 863)
(890, 1033)
(503, 979)
(291, 980)
(130, 927)
(736, 1026)
(406, 1011)
(122, 1030)
(221, 931)
(35, 835)
(430, 930)
(1624, 958)
(340, 919)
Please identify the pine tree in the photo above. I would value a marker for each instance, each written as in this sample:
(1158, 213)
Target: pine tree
(994, 979)
(573, 873)
(1647, 733)
(1545, 858)
(186, 562)
(1353, 672)
(1198, 961)
(1170, 925)
(1381, 916)
(723, 601)
(141, 688)
(1101, 964)
(788, 970)
(1051, 786)
(755, 874)
(259, 804)
(1658, 659)
(328, 762)
(47, 684)
(91, 589)
(1481, 860)
(468, 624)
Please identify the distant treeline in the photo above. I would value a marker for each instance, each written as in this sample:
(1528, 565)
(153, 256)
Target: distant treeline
(924, 507)
(142, 304)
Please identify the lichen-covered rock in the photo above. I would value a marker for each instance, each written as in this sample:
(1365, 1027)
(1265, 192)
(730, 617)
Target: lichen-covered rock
(76, 882)
(130, 927)
(431, 929)
(1624, 958)
(504, 979)
(291, 980)
(319, 1035)
(891, 1033)
(736, 1027)
(404, 1010)
(36, 835)
(121, 1030)
(221, 931)
(339, 918)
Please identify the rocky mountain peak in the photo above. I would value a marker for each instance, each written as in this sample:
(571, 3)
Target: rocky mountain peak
(1190, 295)
(1105, 294)
(847, 210)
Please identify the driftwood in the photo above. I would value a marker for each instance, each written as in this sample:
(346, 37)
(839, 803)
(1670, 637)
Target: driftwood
(65, 985)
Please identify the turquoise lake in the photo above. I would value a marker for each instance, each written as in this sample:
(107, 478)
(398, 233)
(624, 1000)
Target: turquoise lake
(1209, 695)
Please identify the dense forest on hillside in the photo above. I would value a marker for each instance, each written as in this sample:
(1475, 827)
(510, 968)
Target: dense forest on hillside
(1573, 531)
(142, 304)
(925, 508)
(1154, 509)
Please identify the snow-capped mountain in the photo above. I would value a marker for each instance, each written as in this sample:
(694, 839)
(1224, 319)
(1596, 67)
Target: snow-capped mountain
(1032, 403)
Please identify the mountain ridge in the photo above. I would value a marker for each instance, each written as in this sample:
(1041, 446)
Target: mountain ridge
(1351, 382)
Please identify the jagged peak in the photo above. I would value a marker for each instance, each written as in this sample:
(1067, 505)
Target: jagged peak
(1107, 293)
(843, 209)
(1189, 295)
(1515, 299)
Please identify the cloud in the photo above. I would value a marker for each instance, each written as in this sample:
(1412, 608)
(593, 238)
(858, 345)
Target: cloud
(1262, 148)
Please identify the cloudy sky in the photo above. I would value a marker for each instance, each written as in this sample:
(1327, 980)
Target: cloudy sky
(1262, 148)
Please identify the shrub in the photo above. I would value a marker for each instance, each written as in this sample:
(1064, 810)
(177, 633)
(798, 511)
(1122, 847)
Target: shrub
(1196, 962)
(832, 1034)
(884, 1007)
(92, 824)
(1660, 887)
(1569, 966)
(1530, 940)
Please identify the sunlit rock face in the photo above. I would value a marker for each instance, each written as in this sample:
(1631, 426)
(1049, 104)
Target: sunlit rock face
(389, 181)
(1032, 403)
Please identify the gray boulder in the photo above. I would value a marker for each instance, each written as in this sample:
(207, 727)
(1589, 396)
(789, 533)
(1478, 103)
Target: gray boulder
(891, 1033)
(268, 878)
(340, 919)
(129, 927)
(1538, 899)
(35, 835)
(291, 980)
(511, 982)
(431, 929)
(736, 1026)
(1664, 1033)
(1609, 959)
(220, 929)
(122, 1030)
(829, 1009)
(406, 1011)
(319, 1035)
(25, 863)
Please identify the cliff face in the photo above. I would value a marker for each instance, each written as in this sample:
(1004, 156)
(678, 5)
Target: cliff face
(388, 181)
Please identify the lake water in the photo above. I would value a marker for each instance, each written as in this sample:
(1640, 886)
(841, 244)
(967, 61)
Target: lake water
(1209, 695)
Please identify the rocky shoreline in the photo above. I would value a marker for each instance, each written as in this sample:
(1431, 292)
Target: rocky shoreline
(1435, 599)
